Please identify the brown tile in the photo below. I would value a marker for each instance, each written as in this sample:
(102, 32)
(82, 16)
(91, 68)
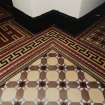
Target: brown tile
(28, 103)
(83, 85)
(25, 68)
(51, 103)
(45, 55)
(73, 84)
(52, 84)
(61, 61)
(1, 91)
(70, 67)
(7, 103)
(104, 93)
(86, 103)
(43, 75)
(93, 84)
(22, 84)
(11, 84)
(59, 55)
(81, 75)
(62, 75)
(43, 68)
(52, 67)
(41, 94)
(63, 103)
(61, 67)
(2, 86)
(23, 75)
(75, 103)
(40, 103)
(62, 84)
(17, 103)
(98, 104)
(19, 94)
(43, 61)
(31, 84)
(42, 83)
(34, 67)
(52, 54)
(63, 94)
(102, 85)
(85, 95)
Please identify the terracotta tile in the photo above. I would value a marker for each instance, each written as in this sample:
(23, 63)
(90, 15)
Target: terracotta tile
(51, 103)
(63, 94)
(41, 94)
(34, 67)
(19, 93)
(52, 54)
(43, 75)
(93, 84)
(70, 67)
(50, 67)
(73, 84)
(43, 61)
(85, 95)
(23, 76)
(11, 84)
(31, 84)
(52, 84)
(62, 75)
(61, 61)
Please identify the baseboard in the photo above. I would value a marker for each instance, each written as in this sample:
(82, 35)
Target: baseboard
(66, 23)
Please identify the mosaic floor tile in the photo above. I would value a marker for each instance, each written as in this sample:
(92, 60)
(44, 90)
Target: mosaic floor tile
(47, 84)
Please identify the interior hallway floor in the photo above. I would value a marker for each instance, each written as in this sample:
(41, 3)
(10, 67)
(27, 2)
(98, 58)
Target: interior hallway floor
(51, 67)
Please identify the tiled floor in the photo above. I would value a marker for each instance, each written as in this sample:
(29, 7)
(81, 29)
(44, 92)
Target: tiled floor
(52, 80)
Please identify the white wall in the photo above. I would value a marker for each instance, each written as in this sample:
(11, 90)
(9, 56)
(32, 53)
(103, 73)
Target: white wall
(88, 5)
(74, 8)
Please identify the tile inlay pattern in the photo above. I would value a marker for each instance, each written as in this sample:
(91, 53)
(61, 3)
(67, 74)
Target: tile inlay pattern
(17, 58)
(11, 34)
(52, 79)
(95, 36)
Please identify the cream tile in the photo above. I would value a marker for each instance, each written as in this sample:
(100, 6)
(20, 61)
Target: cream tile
(71, 75)
(67, 62)
(33, 75)
(74, 95)
(8, 94)
(52, 51)
(30, 94)
(96, 95)
(52, 75)
(52, 61)
(16, 77)
(89, 77)
(52, 94)
(37, 62)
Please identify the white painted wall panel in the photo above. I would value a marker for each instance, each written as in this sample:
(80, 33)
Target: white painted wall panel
(74, 8)
(89, 5)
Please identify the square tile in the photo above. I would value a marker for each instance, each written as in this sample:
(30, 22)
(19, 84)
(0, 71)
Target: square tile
(52, 61)
(8, 94)
(74, 95)
(52, 76)
(52, 94)
(30, 94)
(96, 95)
(33, 76)
(71, 76)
